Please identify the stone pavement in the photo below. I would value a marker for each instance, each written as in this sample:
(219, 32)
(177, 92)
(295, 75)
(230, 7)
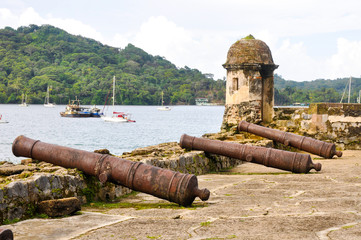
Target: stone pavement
(250, 202)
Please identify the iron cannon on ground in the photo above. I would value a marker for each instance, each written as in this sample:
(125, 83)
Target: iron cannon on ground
(289, 161)
(6, 234)
(320, 148)
(163, 183)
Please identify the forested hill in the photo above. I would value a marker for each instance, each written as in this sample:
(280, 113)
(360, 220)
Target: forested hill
(321, 90)
(31, 58)
(34, 57)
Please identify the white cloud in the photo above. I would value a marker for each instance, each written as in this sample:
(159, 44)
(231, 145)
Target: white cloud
(159, 36)
(346, 62)
(119, 40)
(76, 27)
(7, 18)
(205, 51)
(294, 63)
(30, 16)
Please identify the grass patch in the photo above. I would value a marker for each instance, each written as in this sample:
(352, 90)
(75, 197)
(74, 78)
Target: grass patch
(205, 224)
(142, 205)
(347, 227)
(154, 237)
(7, 221)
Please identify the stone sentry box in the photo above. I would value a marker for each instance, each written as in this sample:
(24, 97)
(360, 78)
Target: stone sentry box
(250, 86)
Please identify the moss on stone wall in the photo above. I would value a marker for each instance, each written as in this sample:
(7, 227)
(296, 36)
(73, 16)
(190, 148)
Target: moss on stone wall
(249, 37)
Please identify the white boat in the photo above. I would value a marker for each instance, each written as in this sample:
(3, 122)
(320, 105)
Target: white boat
(117, 116)
(23, 101)
(164, 108)
(2, 120)
(47, 102)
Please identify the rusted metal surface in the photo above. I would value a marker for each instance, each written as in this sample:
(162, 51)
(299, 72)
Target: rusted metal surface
(6, 234)
(320, 148)
(289, 161)
(163, 183)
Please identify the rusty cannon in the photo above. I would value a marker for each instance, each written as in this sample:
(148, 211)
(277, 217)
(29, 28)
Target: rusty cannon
(163, 183)
(320, 148)
(6, 234)
(289, 161)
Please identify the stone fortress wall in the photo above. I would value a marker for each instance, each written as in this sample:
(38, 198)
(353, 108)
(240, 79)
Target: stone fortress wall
(249, 97)
(339, 123)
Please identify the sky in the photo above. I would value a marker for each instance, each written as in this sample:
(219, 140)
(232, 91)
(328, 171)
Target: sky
(309, 39)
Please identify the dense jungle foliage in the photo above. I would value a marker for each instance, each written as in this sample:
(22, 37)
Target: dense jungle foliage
(31, 58)
(290, 92)
(35, 57)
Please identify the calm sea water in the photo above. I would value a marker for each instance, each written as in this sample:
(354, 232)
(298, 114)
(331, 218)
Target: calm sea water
(151, 127)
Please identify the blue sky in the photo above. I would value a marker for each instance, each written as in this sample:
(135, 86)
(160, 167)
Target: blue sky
(309, 39)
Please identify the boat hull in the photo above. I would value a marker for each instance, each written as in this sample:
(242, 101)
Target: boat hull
(49, 105)
(113, 119)
(75, 115)
(164, 108)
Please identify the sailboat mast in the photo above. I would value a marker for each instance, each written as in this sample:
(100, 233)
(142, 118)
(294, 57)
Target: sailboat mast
(162, 98)
(349, 91)
(113, 89)
(47, 95)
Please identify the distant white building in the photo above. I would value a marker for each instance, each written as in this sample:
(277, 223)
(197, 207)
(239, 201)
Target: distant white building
(204, 102)
(201, 101)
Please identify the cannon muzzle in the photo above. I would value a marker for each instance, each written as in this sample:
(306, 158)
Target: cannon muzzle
(289, 161)
(314, 146)
(6, 234)
(163, 183)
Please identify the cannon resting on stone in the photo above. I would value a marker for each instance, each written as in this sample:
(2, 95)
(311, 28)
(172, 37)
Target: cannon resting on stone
(320, 148)
(6, 234)
(163, 183)
(289, 161)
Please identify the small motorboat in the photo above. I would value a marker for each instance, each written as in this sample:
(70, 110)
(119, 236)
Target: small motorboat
(74, 109)
(118, 117)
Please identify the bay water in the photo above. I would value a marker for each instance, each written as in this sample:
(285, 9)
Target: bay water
(151, 127)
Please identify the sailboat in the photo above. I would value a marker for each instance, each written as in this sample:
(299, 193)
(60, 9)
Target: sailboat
(23, 101)
(348, 84)
(2, 120)
(47, 99)
(117, 116)
(163, 108)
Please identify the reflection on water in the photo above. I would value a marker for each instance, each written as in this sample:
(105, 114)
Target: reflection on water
(151, 127)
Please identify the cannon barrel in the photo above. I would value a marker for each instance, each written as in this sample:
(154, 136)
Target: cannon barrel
(163, 183)
(320, 148)
(289, 161)
(6, 234)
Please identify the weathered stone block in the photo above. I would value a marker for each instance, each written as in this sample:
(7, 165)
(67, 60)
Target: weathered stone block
(59, 207)
(17, 190)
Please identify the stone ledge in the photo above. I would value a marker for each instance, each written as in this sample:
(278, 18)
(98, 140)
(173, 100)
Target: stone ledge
(20, 194)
